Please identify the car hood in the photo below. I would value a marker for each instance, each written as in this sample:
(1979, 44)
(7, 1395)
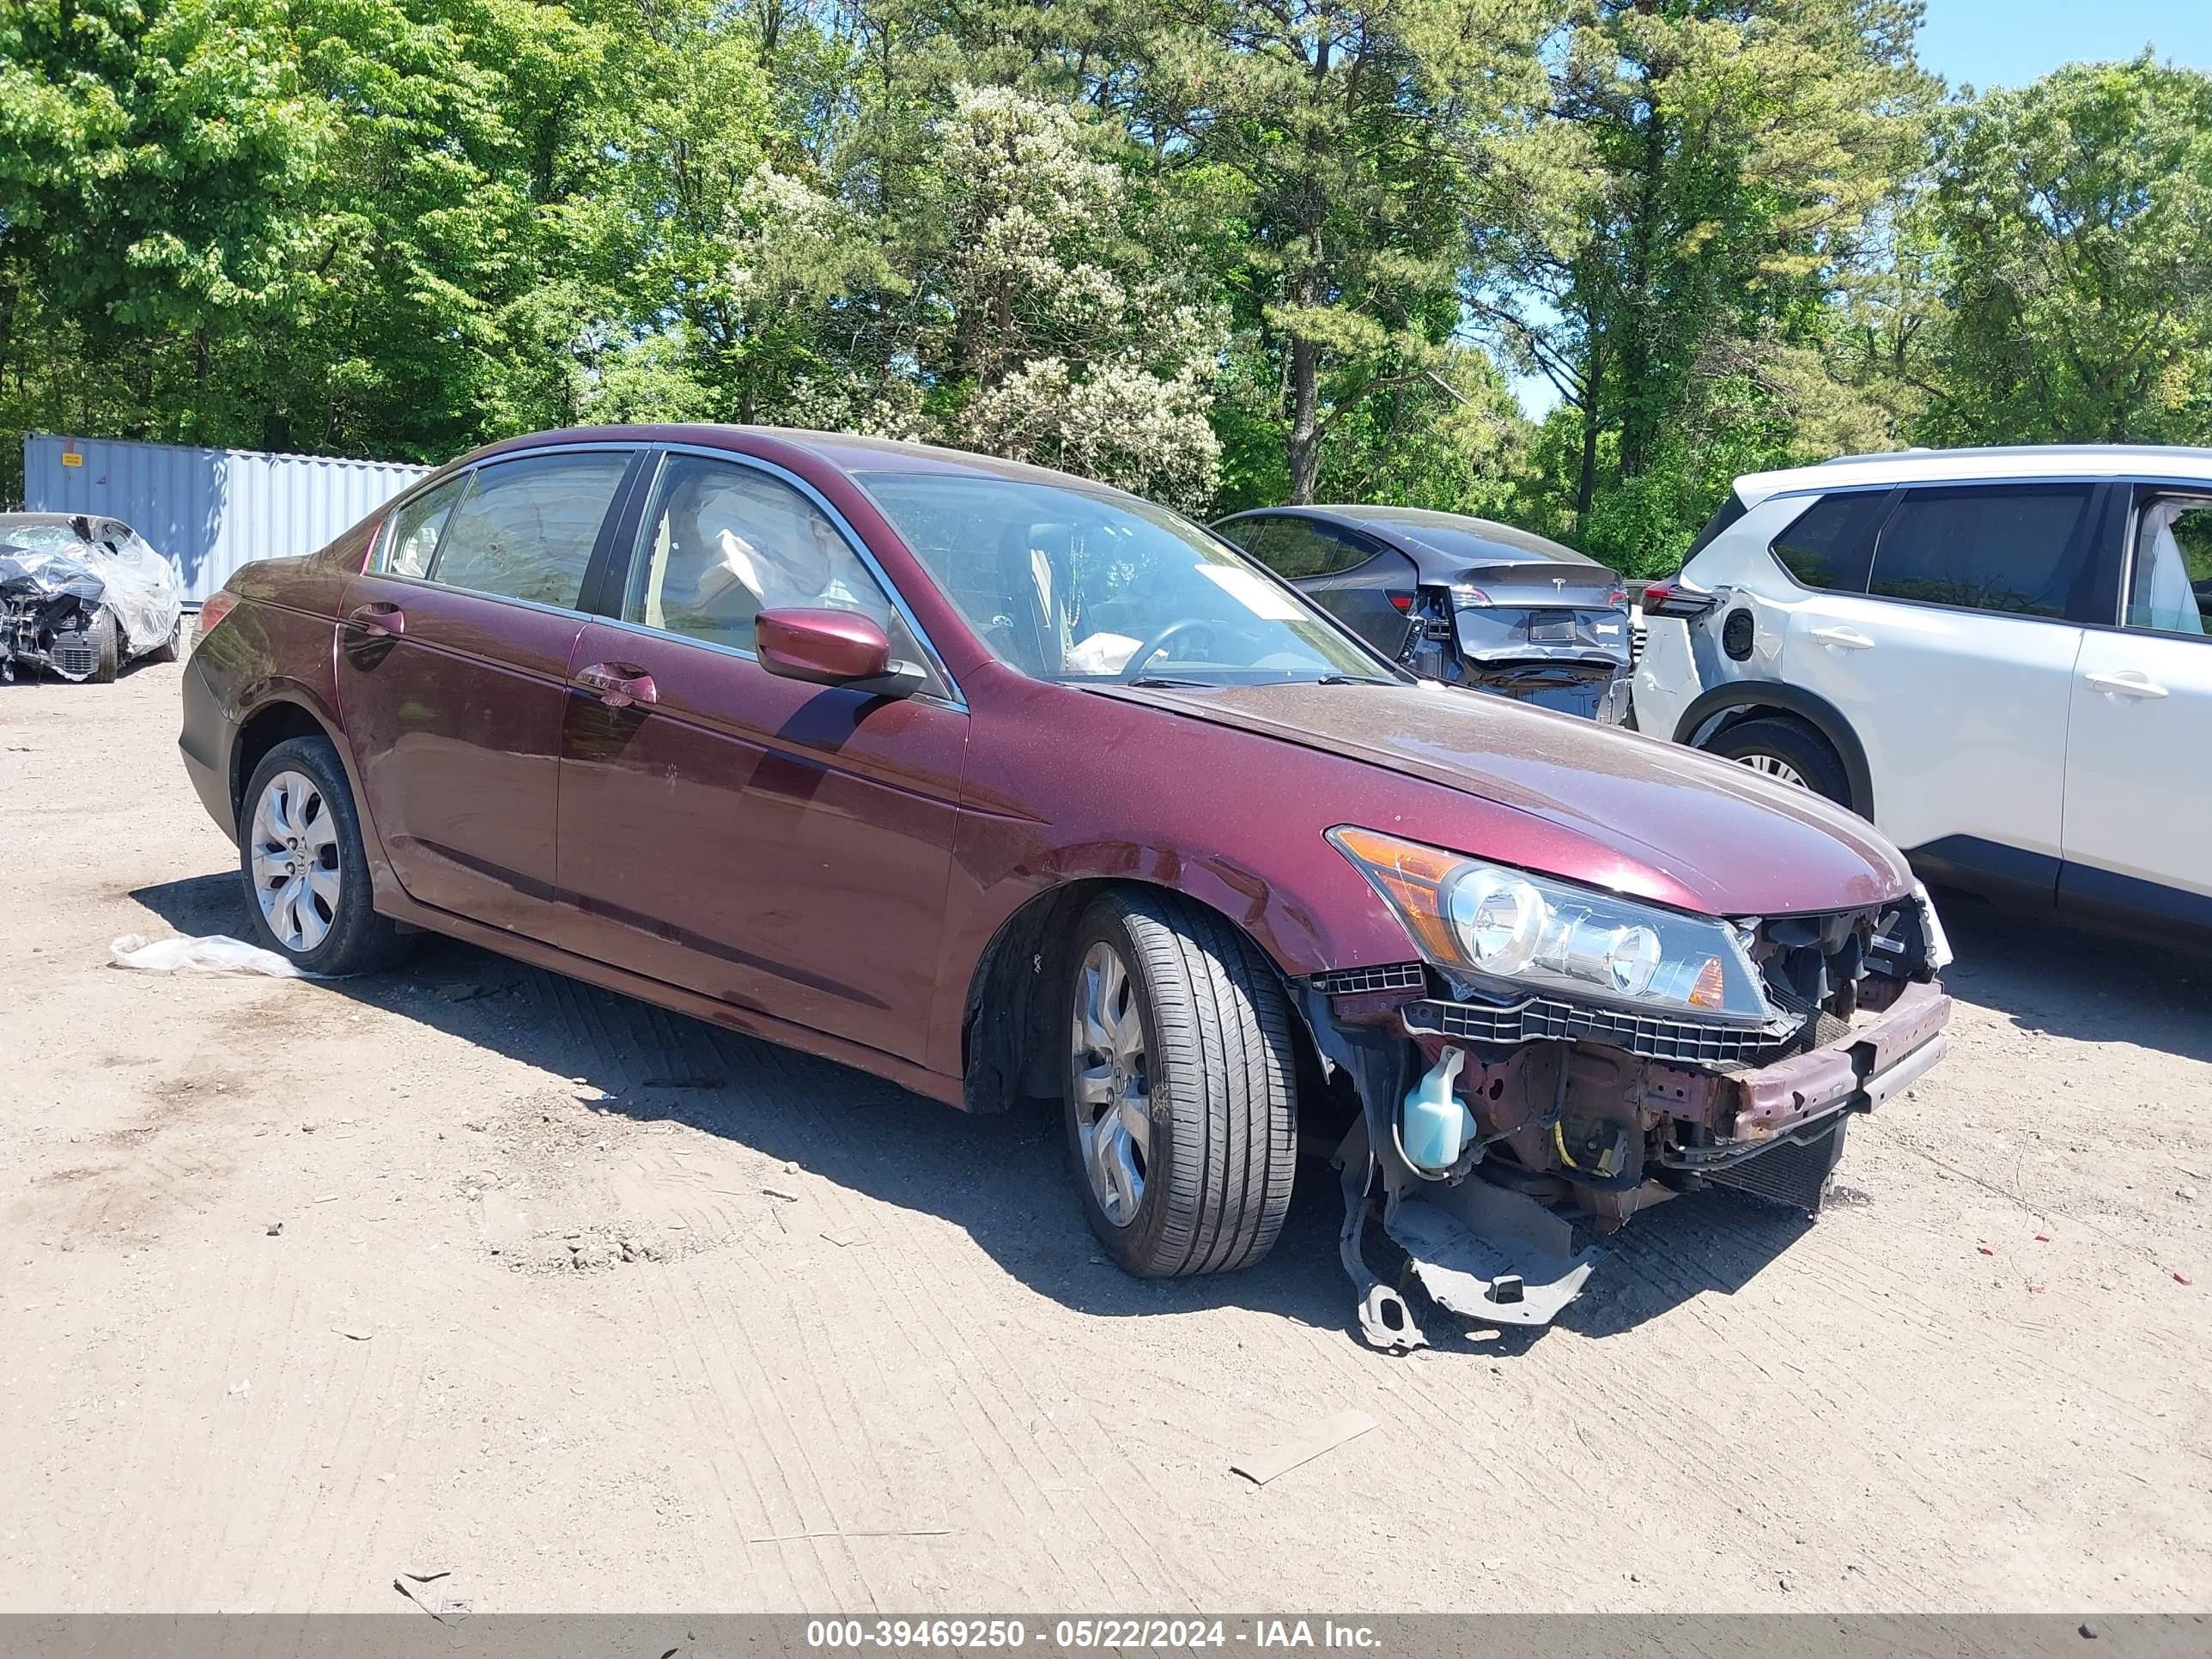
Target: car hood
(1681, 825)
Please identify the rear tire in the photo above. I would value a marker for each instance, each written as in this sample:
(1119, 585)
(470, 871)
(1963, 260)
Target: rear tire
(169, 650)
(1788, 751)
(1181, 1106)
(305, 867)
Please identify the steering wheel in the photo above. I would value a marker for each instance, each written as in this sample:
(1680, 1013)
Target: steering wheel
(1152, 648)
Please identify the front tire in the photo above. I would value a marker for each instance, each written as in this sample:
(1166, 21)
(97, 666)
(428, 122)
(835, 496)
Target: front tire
(108, 647)
(306, 868)
(1180, 1105)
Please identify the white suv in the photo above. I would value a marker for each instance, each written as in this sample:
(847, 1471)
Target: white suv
(1998, 655)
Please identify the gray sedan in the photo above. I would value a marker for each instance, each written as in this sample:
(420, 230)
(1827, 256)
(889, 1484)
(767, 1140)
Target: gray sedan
(1464, 600)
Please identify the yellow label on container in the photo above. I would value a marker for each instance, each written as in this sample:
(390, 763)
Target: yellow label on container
(71, 458)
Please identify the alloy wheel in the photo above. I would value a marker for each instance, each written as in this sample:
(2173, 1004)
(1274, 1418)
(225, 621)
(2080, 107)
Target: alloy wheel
(1113, 1084)
(1775, 767)
(295, 861)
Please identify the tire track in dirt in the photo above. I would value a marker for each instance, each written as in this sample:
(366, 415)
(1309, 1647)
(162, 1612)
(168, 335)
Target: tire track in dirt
(633, 1042)
(1163, 1561)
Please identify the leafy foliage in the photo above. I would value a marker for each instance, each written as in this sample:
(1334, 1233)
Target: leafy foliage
(1224, 252)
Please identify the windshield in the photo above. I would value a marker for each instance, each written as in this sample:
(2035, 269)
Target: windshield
(1069, 586)
(37, 535)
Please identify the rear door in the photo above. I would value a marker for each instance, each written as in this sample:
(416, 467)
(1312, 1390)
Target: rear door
(2138, 814)
(781, 846)
(1943, 624)
(452, 667)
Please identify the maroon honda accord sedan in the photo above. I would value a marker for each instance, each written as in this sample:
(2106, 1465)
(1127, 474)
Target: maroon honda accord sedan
(1005, 785)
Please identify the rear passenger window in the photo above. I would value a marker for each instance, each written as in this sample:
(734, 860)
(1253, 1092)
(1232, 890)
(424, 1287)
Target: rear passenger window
(1247, 533)
(411, 536)
(1298, 548)
(2015, 550)
(526, 529)
(1828, 547)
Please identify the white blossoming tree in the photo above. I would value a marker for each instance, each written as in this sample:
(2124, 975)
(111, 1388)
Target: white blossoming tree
(1072, 342)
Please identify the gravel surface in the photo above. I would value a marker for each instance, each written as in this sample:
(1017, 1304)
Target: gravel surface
(472, 1270)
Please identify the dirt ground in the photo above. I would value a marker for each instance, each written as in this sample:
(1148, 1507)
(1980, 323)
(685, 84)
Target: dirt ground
(471, 1269)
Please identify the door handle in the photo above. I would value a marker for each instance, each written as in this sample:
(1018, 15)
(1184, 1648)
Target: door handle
(2126, 683)
(1843, 639)
(617, 684)
(378, 619)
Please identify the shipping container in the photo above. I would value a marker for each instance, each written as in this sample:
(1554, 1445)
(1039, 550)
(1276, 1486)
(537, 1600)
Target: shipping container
(209, 511)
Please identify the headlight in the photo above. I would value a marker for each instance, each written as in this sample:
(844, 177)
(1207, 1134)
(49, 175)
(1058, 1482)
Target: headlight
(1508, 931)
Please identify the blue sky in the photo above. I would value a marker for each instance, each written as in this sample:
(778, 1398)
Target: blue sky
(2006, 43)
(2009, 43)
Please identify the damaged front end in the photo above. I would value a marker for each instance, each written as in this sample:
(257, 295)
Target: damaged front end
(76, 606)
(1508, 1125)
(50, 618)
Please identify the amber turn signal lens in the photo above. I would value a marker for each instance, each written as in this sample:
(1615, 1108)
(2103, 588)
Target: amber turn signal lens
(1711, 990)
(1411, 876)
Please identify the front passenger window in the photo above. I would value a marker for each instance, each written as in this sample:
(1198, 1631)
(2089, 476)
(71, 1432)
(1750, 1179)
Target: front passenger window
(525, 531)
(2170, 578)
(723, 543)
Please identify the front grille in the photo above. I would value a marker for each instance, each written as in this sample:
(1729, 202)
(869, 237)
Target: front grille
(1687, 1041)
(74, 655)
(1794, 1172)
(1355, 981)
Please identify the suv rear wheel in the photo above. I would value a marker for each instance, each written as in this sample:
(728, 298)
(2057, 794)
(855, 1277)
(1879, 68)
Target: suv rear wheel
(1787, 750)
(1181, 1114)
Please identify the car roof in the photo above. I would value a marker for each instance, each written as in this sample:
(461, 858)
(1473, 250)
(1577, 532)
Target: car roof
(846, 450)
(1414, 531)
(2022, 461)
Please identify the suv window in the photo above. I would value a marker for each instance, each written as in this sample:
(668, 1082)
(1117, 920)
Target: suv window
(2012, 549)
(723, 543)
(410, 536)
(526, 528)
(1828, 546)
(2170, 576)
(1299, 548)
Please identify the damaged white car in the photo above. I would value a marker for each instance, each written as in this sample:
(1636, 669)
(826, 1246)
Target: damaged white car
(80, 596)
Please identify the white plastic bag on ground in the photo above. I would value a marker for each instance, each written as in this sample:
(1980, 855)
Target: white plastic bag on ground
(214, 953)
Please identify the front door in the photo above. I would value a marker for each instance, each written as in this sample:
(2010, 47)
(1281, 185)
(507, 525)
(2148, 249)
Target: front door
(782, 846)
(452, 669)
(2139, 749)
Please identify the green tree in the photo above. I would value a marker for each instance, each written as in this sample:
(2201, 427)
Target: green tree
(1670, 253)
(2073, 226)
(1354, 131)
(155, 158)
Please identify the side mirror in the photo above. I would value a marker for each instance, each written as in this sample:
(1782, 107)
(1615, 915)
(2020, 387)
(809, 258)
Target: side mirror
(823, 647)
